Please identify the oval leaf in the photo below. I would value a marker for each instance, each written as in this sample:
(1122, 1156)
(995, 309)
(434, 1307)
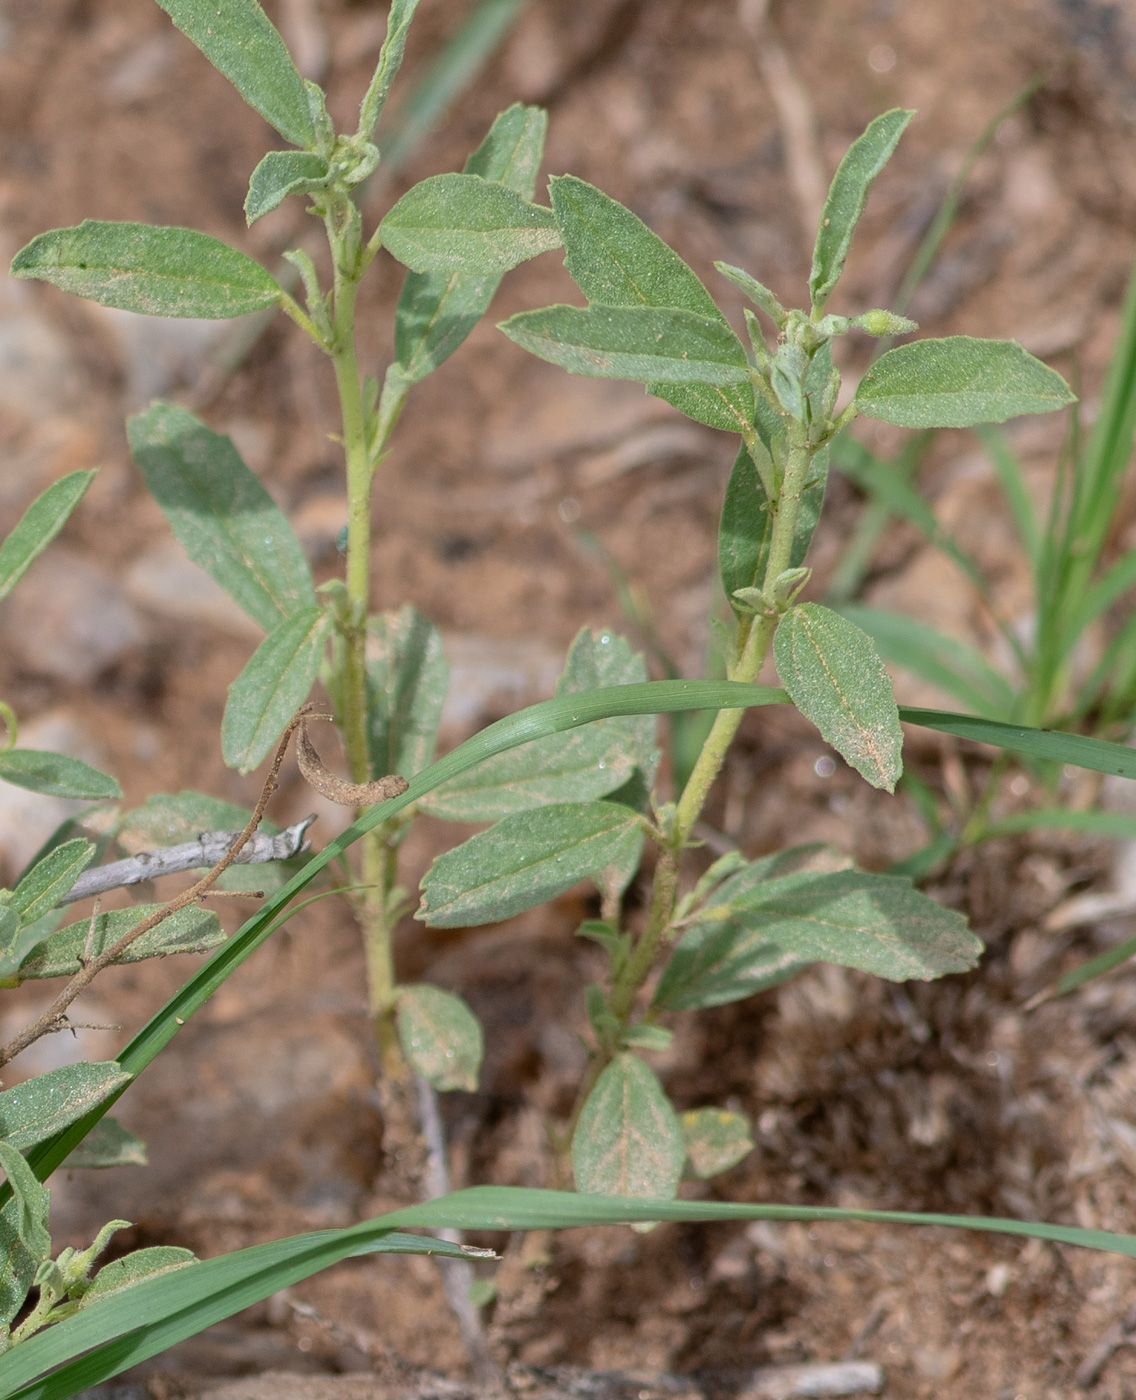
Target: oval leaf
(862, 162)
(279, 174)
(153, 270)
(440, 1037)
(407, 679)
(643, 343)
(715, 1140)
(45, 884)
(56, 775)
(228, 523)
(190, 930)
(32, 1112)
(957, 382)
(272, 687)
(41, 522)
(109, 1144)
(524, 860)
(133, 1268)
(835, 677)
(238, 38)
(628, 1141)
(463, 223)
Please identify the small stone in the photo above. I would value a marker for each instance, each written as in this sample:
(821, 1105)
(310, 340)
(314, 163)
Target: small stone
(166, 582)
(160, 352)
(69, 618)
(937, 1364)
(490, 678)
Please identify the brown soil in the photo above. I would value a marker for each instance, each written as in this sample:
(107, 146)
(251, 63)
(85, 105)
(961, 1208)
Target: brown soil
(262, 1118)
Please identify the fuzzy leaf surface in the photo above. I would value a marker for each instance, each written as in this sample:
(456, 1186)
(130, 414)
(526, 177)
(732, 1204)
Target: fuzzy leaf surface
(835, 677)
(578, 766)
(109, 1144)
(238, 38)
(190, 930)
(45, 884)
(746, 527)
(56, 775)
(34, 1110)
(134, 1267)
(229, 524)
(463, 223)
(407, 678)
(524, 860)
(862, 162)
(40, 524)
(437, 310)
(272, 687)
(153, 270)
(715, 1140)
(644, 343)
(440, 1037)
(29, 1241)
(279, 174)
(628, 1141)
(957, 382)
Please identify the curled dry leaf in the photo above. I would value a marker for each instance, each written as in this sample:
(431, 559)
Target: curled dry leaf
(337, 789)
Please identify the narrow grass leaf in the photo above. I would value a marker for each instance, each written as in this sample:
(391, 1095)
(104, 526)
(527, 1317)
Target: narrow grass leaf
(407, 679)
(524, 860)
(835, 677)
(40, 524)
(1092, 822)
(149, 269)
(862, 162)
(45, 884)
(229, 524)
(33, 1111)
(715, 1140)
(644, 343)
(437, 310)
(190, 930)
(954, 667)
(109, 1144)
(238, 38)
(272, 687)
(279, 174)
(1095, 967)
(578, 766)
(746, 526)
(1097, 755)
(440, 1037)
(56, 775)
(463, 223)
(627, 1140)
(958, 382)
(1016, 490)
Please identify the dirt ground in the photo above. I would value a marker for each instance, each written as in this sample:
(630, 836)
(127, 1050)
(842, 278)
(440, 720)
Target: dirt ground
(262, 1119)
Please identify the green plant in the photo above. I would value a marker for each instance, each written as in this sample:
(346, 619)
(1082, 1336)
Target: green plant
(567, 784)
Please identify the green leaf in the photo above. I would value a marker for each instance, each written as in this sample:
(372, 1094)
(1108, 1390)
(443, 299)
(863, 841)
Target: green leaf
(437, 310)
(109, 1144)
(399, 15)
(463, 223)
(1097, 755)
(133, 1268)
(149, 269)
(30, 1215)
(835, 677)
(56, 775)
(957, 382)
(578, 766)
(617, 260)
(169, 819)
(746, 527)
(272, 687)
(524, 860)
(18, 1264)
(279, 174)
(862, 162)
(190, 930)
(17, 939)
(627, 1140)
(440, 1036)
(644, 343)
(40, 524)
(876, 923)
(229, 524)
(956, 668)
(237, 38)
(33, 1111)
(715, 1140)
(407, 678)
(644, 1036)
(45, 884)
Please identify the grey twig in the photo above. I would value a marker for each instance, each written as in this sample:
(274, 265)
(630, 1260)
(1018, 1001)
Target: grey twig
(201, 854)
